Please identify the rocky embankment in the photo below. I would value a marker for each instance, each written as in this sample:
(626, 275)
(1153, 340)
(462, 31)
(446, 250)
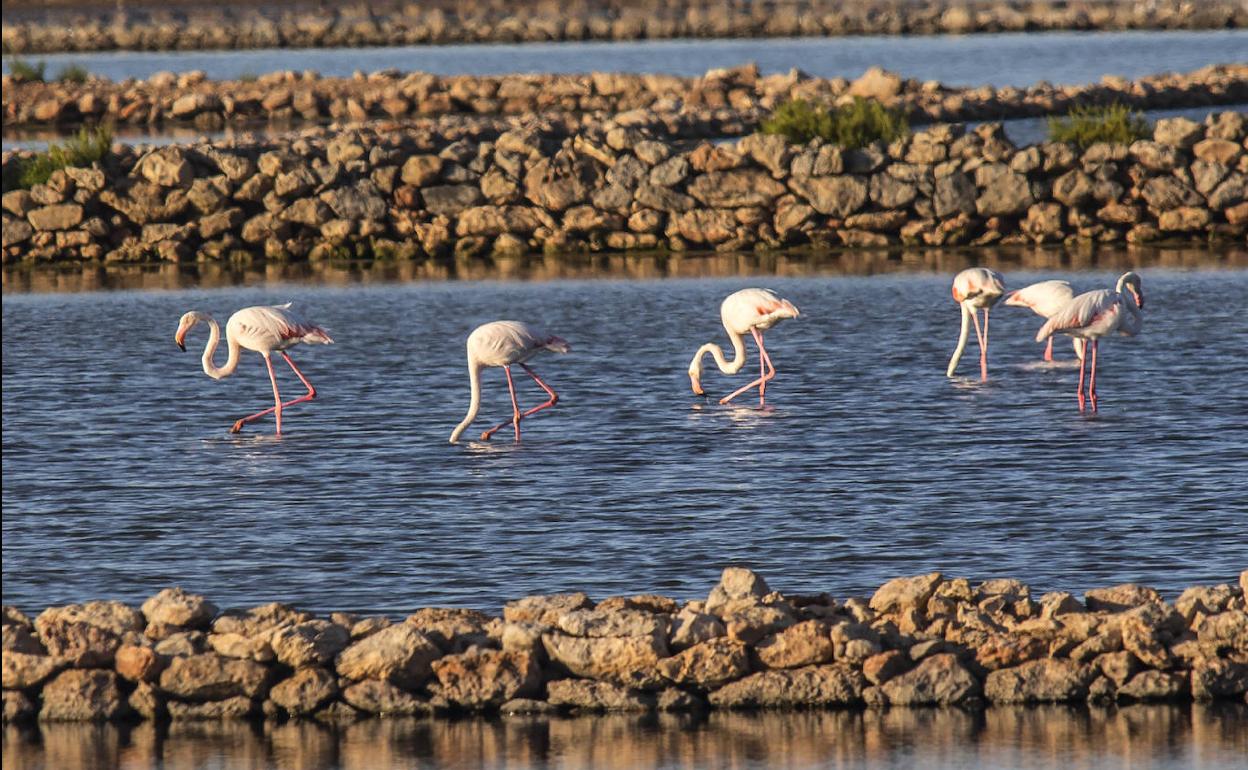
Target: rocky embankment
(151, 26)
(425, 193)
(722, 102)
(917, 641)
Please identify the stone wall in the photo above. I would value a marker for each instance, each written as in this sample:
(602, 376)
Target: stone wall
(424, 193)
(918, 641)
(722, 102)
(234, 26)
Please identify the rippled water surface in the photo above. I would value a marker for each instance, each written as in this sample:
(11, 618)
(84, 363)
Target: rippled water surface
(120, 477)
(1152, 737)
(996, 59)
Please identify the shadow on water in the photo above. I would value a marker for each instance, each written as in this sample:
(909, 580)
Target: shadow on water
(1137, 736)
(644, 266)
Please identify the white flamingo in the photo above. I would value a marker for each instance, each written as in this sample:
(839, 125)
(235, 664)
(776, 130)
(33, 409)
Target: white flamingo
(976, 288)
(1044, 299)
(1093, 315)
(261, 328)
(503, 343)
(748, 310)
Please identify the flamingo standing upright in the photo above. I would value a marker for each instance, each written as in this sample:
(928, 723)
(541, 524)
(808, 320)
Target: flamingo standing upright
(264, 329)
(503, 343)
(748, 310)
(1093, 315)
(1044, 299)
(973, 289)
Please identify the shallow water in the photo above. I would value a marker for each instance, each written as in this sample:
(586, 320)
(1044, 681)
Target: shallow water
(995, 59)
(1152, 737)
(120, 478)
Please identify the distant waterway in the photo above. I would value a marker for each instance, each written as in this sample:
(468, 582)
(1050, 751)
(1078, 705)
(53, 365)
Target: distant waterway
(1005, 59)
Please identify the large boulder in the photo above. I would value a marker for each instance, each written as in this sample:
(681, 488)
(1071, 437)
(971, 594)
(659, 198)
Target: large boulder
(313, 643)
(1120, 597)
(483, 677)
(176, 607)
(903, 594)
(83, 695)
(545, 609)
(211, 677)
(259, 620)
(305, 691)
(837, 196)
(23, 670)
(398, 654)
(735, 189)
(88, 635)
(597, 696)
(805, 644)
(939, 679)
(1039, 681)
(384, 698)
(452, 629)
(708, 665)
(625, 660)
(828, 685)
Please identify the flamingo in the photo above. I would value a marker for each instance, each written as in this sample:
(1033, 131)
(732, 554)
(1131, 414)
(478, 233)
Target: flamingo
(261, 328)
(748, 310)
(973, 289)
(1045, 299)
(503, 343)
(1093, 315)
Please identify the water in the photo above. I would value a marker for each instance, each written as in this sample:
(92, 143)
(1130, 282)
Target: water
(120, 478)
(1141, 737)
(995, 59)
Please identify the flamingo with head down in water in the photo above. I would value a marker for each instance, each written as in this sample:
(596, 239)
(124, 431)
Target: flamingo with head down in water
(976, 288)
(748, 310)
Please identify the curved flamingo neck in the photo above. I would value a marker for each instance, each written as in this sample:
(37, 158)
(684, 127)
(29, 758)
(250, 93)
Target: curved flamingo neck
(725, 366)
(966, 330)
(474, 399)
(214, 338)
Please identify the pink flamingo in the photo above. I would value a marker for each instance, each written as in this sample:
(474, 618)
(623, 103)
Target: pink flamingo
(1045, 299)
(1093, 315)
(503, 343)
(748, 310)
(263, 329)
(973, 289)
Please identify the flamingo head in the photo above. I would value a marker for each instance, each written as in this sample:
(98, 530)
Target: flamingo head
(185, 323)
(695, 383)
(1134, 284)
(557, 345)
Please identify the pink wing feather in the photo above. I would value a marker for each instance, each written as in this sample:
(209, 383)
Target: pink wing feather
(1077, 313)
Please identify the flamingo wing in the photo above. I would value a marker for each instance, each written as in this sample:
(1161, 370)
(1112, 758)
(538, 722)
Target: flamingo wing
(1045, 298)
(1078, 313)
(277, 326)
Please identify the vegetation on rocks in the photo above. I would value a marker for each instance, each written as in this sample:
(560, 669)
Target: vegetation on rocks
(1085, 126)
(84, 148)
(852, 125)
(24, 71)
(73, 73)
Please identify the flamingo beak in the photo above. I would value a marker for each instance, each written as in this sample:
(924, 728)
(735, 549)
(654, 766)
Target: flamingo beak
(1139, 299)
(179, 338)
(697, 386)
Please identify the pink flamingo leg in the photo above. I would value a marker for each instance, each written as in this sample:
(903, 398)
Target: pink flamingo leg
(277, 402)
(761, 382)
(1092, 380)
(1083, 363)
(1048, 350)
(983, 345)
(554, 399)
(515, 406)
(311, 394)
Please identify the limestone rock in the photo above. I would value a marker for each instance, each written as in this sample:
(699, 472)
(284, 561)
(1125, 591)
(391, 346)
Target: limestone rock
(481, 677)
(22, 670)
(805, 644)
(176, 607)
(1120, 597)
(166, 167)
(399, 654)
(234, 645)
(237, 707)
(452, 629)
(82, 695)
(305, 691)
(597, 696)
(939, 679)
(690, 627)
(901, 594)
(708, 664)
(628, 660)
(139, 664)
(378, 697)
(258, 620)
(1155, 685)
(211, 677)
(1045, 680)
(734, 189)
(827, 685)
(19, 707)
(544, 609)
(833, 195)
(62, 216)
(312, 643)
(599, 623)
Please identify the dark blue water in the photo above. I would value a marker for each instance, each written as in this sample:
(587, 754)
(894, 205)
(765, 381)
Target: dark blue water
(993, 59)
(120, 477)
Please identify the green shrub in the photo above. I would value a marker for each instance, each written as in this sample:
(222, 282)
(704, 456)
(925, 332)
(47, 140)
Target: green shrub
(248, 77)
(83, 149)
(74, 73)
(1085, 126)
(852, 125)
(22, 70)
